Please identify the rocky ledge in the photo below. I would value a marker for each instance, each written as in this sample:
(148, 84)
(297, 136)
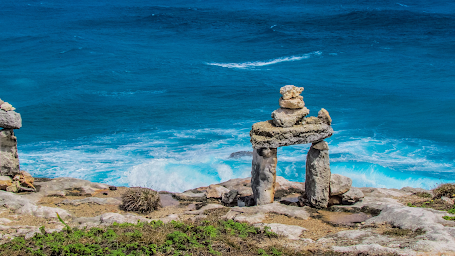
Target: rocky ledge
(363, 226)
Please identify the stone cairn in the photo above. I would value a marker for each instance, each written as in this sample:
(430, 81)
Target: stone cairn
(11, 177)
(290, 126)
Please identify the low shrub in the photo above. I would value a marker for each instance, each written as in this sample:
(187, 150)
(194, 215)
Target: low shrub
(447, 190)
(141, 200)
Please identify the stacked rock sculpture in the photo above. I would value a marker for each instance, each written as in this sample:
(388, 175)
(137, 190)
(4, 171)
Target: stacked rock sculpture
(290, 126)
(292, 107)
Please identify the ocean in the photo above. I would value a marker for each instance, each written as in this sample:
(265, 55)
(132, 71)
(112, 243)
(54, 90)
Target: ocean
(160, 93)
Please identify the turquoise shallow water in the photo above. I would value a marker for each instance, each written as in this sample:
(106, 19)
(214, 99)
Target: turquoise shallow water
(159, 94)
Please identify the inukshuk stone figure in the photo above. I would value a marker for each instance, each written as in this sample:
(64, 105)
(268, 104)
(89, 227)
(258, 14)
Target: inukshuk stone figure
(9, 120)
(290, 126)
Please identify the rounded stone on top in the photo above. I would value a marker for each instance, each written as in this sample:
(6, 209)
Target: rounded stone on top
(290, 91)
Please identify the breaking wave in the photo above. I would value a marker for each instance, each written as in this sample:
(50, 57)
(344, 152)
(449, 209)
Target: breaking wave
(247, 65)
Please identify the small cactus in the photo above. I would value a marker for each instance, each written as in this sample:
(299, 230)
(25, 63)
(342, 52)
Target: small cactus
(141, 200)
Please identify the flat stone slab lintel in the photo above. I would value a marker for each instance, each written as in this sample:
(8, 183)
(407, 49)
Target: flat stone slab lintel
(266, 135)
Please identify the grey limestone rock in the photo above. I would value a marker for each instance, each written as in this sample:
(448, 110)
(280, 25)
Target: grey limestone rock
(263, 175)
(352, 196)
(275, 207)
(168, 201)
(339, 184)
(317, 183)
(266, 135)
(12, 201)
(9, 159)
(43, 211)
(10, 120)
(230, 197)
(216, 191)
(70, 187)
(190, 196)
(284, 117)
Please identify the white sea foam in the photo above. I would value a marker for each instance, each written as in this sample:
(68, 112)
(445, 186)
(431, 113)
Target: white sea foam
(254, 64)
(165, 160)
(126, 93)
(402, 5)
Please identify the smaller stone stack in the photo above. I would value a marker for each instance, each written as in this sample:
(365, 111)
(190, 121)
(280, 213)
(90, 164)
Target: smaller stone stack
(292, 107)
(9, 159)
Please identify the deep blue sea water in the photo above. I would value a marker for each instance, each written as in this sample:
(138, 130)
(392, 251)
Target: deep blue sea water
(159, 93)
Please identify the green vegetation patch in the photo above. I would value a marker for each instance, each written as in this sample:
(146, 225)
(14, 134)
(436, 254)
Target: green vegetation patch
(155, 238)
(443, 190)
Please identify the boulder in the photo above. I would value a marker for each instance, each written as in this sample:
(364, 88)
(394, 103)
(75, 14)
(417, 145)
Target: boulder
(5, 181)
(317, 183)
(339, 184)
(284, 117)
(285, 187)
(323, 114)
(230, 198)
(216, 191)
(9, 159)
(267, 135)
(293, 103)
(263, 175)
(242, 185)
(352, 196)
(190, 196)
(10, 120)
(290, 91)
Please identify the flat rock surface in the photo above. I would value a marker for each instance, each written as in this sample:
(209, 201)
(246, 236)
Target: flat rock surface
(266, 135)
(276, 207)
(362, 230)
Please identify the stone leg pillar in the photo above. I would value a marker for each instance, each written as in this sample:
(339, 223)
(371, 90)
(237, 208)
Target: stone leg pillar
(317, 183)
(9, 159)
(263, 175)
